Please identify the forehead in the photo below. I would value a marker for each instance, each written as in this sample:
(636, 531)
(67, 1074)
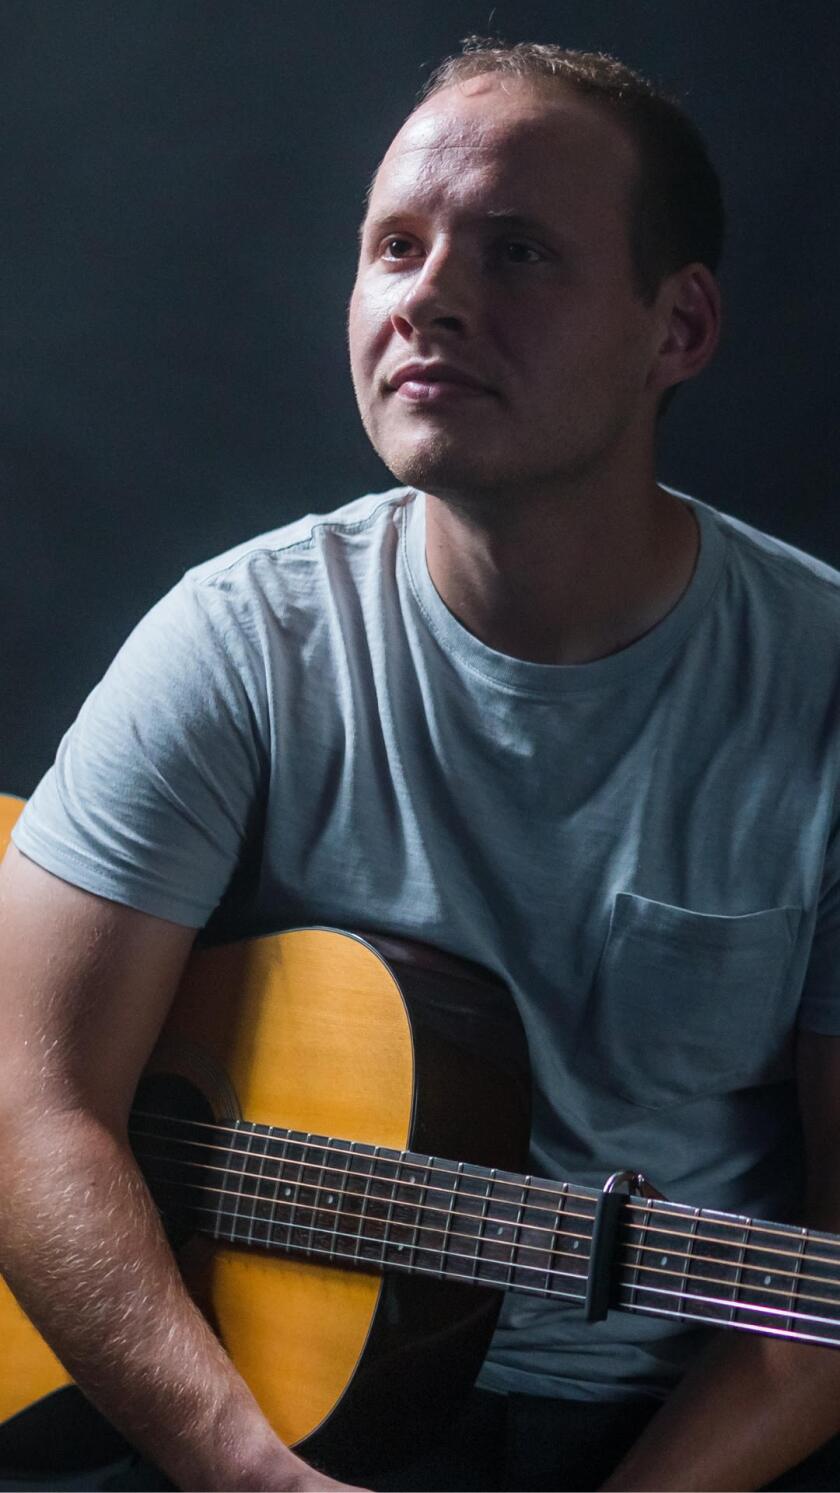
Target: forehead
(492, 141)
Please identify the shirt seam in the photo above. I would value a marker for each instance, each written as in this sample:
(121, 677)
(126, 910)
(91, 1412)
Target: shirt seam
(282, 549)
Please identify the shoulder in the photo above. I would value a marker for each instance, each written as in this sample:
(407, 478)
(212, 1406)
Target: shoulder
(360, 525)
(765, 555)
(284, 580)
(775, 583)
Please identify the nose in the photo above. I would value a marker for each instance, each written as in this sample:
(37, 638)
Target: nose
(443, 294)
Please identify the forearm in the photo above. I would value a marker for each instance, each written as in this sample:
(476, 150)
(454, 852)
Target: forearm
(747, 1411)
(82, 1247)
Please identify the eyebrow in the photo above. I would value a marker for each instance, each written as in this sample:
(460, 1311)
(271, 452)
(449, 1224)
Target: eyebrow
(499, 218)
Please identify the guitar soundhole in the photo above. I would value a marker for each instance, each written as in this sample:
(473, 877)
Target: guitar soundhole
(172, 1133)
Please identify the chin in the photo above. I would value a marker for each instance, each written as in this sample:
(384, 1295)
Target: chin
(438, 468)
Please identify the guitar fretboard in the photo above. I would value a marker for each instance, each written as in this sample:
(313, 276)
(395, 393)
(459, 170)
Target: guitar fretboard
(377, 1208)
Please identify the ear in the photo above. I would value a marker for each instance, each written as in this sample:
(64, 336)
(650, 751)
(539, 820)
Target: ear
(688, 326)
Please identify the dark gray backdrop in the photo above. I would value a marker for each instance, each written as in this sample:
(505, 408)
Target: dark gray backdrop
(181, 187)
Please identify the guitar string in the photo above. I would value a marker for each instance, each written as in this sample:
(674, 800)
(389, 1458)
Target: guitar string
(679, 1312)
(760, 1328)
(728, 1304)
(406, 1183)
(691, 1255)
(277, 1137)
(369, 1239)
(364, 1215)
(679, 1211)
(521, 1246)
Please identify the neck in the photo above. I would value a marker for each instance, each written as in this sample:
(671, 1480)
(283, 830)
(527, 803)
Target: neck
(562, 580)
(353, 1204)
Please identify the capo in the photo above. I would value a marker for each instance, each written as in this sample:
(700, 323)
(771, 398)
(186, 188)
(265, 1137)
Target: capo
(604, 1226)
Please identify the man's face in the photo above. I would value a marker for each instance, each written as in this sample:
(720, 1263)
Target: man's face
(497, 240)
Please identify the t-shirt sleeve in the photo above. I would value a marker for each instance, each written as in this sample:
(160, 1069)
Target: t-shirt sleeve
(819, 1009)
(152, 786)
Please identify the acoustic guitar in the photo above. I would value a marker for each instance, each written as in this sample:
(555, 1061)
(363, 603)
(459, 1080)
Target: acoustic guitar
(334, 1127)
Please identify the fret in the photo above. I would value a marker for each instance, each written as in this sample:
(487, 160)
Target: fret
(428, 1235)
(714, 1265)
(368, 1155)
(516, 1232)
(290, 1190)
(817, 1285)
(739, 1271)
(397, 1194)
(298, 1204)
(469, 1204)
(314, 1187)
(434, 1221)
(566, 1255)
(556, 1253)
(336, 1199)
(504, 1197)
(501, 1227)
(718, 1256)
(388, 1195)
(281, 1222)
(633, 1245)
(802, 1238)
(345, 1239)
(418, 1209)
(449, 1219)
(766, 1276)
(570, 1245)
(381, 1201)
(482, 1222)
(793, 1282)
(689, 1249)
(410, 1186)
(425, 1217)
(259, 1221)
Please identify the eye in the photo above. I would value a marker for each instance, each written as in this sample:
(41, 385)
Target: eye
(520, 250)
(388, 244)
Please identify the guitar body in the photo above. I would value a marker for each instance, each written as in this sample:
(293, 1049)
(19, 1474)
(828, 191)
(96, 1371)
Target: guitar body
(338, 1035)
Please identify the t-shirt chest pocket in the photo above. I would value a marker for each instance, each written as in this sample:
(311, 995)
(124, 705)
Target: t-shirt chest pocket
(685, 1003)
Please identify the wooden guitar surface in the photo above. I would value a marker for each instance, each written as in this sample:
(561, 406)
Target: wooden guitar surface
(282, 1027)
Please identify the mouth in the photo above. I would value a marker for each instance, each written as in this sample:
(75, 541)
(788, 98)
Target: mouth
(437, 391)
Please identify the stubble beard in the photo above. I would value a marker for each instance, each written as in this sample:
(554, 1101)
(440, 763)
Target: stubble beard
(487, 490)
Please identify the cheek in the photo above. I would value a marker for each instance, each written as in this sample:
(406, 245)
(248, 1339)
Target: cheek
(355, 331)
(369, 328)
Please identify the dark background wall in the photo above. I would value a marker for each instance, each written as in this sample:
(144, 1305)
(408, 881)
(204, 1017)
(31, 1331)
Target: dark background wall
(181, 186)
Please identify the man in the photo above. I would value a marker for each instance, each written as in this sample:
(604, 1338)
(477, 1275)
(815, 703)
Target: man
(531, 707)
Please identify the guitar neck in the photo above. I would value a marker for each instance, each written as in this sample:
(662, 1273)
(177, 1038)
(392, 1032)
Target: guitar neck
(372, 1207)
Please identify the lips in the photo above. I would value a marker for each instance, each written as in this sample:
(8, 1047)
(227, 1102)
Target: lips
(418, 374)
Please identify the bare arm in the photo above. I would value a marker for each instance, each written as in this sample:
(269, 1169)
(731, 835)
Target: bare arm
(753, 1407)
(85, 985)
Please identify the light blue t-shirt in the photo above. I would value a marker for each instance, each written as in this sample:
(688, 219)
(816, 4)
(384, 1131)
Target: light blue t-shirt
(644, 847)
